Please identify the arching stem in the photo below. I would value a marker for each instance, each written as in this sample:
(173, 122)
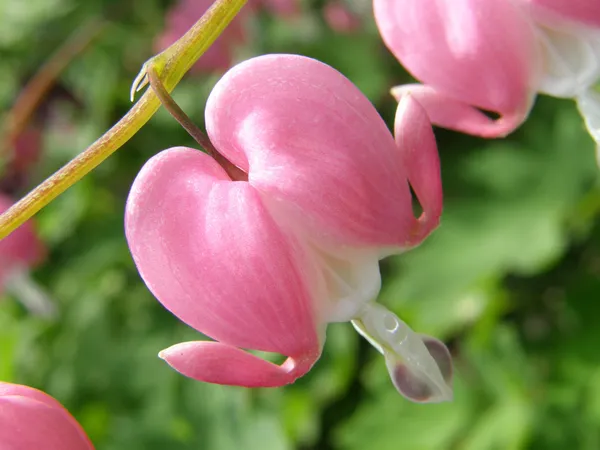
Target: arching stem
(170, 65)
(234, 172)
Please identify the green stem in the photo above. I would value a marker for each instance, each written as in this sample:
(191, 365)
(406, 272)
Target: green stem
(234, 172)
(170, 65)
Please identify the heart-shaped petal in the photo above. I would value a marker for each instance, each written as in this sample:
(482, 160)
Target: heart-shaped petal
(316, 149)
(211, 253)
(448, 112)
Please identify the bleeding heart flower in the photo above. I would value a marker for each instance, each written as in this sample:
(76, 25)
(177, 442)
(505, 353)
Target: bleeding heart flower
(568, 36)
(32, 420)
(474, 55)
(265, 264)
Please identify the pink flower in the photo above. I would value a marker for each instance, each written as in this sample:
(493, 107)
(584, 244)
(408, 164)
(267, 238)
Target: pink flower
(220, 55)
(474, 55)
(266, 264)
(32, 420)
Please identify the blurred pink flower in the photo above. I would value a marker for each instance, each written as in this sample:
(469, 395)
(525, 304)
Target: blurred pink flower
(220, 55)
(21, 249)
(19, 252)
(266, 264)
(474, 55)
(32, 420)
(340, 18)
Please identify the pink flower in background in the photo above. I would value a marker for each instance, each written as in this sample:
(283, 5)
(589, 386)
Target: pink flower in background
(568, 36)
(474, 55)
(266, 264)
(340, 17)
(220, 55)
(32, 420)
(20, 251)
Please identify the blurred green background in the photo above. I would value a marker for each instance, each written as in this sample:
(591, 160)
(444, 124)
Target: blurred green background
(510, 280)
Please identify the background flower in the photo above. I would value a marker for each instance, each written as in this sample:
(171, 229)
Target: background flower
(495, 56)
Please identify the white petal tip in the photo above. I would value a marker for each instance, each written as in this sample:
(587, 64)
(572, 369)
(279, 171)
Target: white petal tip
(396, 92)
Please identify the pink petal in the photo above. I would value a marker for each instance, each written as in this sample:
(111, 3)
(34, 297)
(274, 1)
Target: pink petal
(315, 148)
(31, 420)
(211, 253)
(481, 53)
(584, 11)
(214, 362)
(449, 113)
(419, 151)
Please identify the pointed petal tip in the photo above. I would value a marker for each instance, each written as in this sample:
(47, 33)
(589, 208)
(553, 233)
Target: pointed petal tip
(218, 363)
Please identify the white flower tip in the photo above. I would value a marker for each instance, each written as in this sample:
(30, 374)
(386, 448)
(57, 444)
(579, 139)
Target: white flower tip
(397, 92)
(420, 366)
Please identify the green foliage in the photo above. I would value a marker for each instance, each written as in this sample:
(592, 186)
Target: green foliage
(511, 278)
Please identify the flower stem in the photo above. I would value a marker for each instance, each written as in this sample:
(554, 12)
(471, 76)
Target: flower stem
(174, 109)
(170, 66)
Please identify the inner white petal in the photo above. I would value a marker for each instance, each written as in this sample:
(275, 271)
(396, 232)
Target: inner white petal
(403, 349)
(352, 280)
(571, 60)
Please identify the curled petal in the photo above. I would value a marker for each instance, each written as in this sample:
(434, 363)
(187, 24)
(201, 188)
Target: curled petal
(481, 53)
(553, 11)
(210, 252)
(214, 362)
(418, 150)
(316, 149)
(456, 115)
(30, 420)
